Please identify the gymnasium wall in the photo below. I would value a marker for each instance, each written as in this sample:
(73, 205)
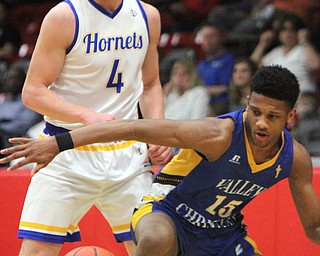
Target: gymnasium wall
(271, 218)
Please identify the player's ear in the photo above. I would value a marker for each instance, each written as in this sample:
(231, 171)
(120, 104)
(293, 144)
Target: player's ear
(291, 115)
(248, 100)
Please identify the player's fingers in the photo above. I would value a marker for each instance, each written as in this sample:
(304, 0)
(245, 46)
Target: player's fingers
(37, 168)
(19, 164)
(11, 157)
(162, 156)
(152, 149)
(19, 140)
(156, 151)
(14, 149)
(13, 153)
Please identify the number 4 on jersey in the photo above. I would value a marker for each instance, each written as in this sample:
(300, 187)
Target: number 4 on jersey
(115, 79)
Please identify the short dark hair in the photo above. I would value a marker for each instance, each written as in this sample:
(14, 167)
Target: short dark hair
(276, 82)
(295, 20)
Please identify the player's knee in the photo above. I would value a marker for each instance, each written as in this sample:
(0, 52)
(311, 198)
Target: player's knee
(156, 243)
(163, 240)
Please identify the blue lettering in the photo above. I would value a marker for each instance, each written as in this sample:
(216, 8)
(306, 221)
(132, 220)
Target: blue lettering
(102, 45)
(95, 44)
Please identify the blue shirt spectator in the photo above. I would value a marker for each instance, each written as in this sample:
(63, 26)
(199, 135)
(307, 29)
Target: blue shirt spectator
(215, 69)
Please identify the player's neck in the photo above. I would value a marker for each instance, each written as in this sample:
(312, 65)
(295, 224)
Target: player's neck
(109, 5)
(264, 154)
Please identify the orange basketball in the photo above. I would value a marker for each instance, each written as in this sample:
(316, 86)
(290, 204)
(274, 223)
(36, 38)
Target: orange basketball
(89, 251)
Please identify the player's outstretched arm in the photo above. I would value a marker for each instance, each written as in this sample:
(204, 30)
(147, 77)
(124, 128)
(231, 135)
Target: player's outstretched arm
(303, 193)
(210, 136)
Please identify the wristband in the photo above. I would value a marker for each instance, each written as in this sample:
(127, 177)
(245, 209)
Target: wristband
(64, 141)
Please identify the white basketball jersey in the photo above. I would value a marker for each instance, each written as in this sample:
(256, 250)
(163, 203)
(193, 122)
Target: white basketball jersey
(102, 70)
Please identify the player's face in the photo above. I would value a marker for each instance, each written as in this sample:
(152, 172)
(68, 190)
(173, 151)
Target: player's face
(266, 118)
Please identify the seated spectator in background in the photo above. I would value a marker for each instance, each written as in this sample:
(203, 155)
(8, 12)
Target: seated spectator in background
(308, 11)
(243, 14)
(9, 38)
(215, 68)
(307, 130)
(15, 118)
(185, 98)
(313, 24)
(294, 52)
(182, 15)
(243, 70)
(187, 14)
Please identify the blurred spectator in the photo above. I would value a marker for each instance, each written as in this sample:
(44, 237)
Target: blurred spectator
(263, 16)
(294, 52)
(182, 15)
(9, 39)
(189, 13)
(185, 98)
(243, 70)
(233, 12)
(307, 131)
(15, 118)
(313, 24)
(9, 35)
(166, 63)
(29, 39)
(215, 68)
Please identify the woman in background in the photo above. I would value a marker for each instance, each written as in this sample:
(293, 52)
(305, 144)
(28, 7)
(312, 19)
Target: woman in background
(295, 52)
(184, 97)
(243, 70)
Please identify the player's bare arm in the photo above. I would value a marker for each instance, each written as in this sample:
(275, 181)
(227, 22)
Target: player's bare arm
(210, 136)
(152, 93)
(46, 64)
(304, 196)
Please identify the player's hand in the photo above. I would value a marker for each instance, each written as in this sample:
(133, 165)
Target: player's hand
(303, 36)
(39, 151)
(159, 154)
(266, 38)
(167, 88)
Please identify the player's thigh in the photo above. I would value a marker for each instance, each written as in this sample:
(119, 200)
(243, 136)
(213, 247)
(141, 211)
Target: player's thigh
(58, 201)
(117, 202)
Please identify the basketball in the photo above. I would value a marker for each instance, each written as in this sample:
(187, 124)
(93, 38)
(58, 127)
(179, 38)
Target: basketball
(89, 251)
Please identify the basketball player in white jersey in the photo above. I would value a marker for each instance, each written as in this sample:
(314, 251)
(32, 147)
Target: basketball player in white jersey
(94, 61)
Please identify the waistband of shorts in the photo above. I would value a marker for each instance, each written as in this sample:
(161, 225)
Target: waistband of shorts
(52, 130)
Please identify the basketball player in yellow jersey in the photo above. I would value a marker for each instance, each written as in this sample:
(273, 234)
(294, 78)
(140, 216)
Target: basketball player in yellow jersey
(94, 61)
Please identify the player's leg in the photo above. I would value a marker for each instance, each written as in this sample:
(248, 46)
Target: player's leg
(55, 202)
(126, 181)
(117, 202)
(155, 234)
(130, 247)
(32, 247)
